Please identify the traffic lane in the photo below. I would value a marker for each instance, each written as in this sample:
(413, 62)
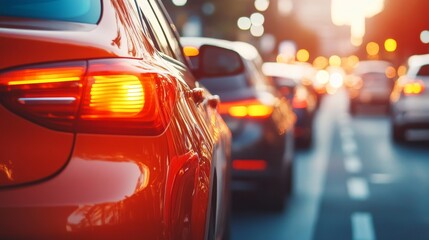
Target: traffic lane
(252, 221)
(374, 188)
(398, 177)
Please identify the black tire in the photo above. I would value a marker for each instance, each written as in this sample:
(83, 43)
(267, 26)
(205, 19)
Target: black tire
(398, 134)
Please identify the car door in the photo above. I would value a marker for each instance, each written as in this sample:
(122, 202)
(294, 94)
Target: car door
(208, 134)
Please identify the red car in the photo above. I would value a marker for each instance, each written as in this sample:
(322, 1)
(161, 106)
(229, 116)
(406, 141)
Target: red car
(104, 132)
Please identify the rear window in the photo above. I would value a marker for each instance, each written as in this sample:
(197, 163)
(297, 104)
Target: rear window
(82, 11)
(424, 71)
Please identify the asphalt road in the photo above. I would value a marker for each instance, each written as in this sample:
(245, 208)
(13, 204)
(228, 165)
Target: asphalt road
(354, 183)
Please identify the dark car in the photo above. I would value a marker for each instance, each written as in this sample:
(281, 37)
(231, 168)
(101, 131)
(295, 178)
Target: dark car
(288, 78)
(104, 132)
(260, 119)
(410, 98)
(371, 85)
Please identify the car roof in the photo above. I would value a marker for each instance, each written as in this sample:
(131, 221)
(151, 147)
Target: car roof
(372, 66)
(415, 62)
(246, 50)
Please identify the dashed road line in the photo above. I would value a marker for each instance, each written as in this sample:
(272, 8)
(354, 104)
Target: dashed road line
(381, 178)
(358, 188)
(352, 164)
(362, 226)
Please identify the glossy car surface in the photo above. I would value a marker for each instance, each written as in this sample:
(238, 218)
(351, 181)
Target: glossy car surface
(104, 132)
(288, 78)
(371, 85)
(260, 119)
(409, 99)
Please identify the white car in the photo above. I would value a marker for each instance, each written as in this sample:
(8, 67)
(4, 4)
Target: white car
(410, 98)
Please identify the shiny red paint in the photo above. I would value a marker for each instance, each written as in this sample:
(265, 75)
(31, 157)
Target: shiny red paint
(92, 185)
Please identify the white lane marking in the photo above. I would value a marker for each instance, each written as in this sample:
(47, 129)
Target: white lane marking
(352, 164)
(300, 220)
(344, 119)
(362, 226)
(381, 178)
(346, 133)
(349, 146)
(357, 188)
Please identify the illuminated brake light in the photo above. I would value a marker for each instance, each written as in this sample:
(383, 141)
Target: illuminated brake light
(249, 165)
(119, 95)
(300, 98)
(299, 103)
(413, 88)
(114, 96)
(249, 108)
(42, 76)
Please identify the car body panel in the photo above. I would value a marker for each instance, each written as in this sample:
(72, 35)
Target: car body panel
(104, 186)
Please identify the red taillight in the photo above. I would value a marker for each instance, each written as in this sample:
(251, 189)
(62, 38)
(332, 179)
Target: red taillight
(248, 108)
(300, 98)
(104, 96)
(413, 88)
(249, 165)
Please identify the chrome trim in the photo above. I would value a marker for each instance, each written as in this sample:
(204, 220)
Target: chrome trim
(47, 100)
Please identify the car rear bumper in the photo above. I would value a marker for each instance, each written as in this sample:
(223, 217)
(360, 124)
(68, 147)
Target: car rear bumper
(258, 141)
(113, 187)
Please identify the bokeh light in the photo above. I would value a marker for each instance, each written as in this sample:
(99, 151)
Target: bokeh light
(402, 70)
(257, 31)
(179, 3)
(390, 45)
(302, 55)
(261, 5)
(244, 23)
(390, 72)
(372, 48)
(335, 60)
(424, 36)
(257, 19)
(320, 62)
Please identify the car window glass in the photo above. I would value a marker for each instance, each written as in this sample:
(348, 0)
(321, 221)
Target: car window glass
(168, 29)
(423, 71)
(83, 11)
(155, 28)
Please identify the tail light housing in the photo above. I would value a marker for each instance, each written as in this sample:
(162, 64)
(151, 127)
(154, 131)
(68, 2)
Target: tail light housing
(247, 108)
(111, 96)
(413, 88)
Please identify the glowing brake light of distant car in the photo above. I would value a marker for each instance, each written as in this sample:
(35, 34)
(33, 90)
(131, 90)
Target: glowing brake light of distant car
(300, 99)
(413, 88)
(249, 108)
(104, 96)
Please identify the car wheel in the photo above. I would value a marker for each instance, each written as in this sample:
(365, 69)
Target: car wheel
(398, 134)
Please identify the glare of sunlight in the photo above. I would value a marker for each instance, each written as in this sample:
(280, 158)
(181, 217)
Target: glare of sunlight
(353, 13)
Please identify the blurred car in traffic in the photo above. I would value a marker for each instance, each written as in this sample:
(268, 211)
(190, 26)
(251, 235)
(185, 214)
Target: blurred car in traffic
(105, 134)
(288, 79)
(260, 119)
(369, 85)
(409, 99)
